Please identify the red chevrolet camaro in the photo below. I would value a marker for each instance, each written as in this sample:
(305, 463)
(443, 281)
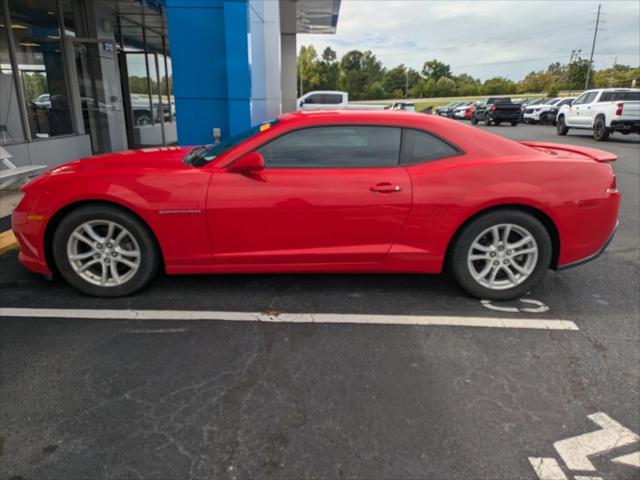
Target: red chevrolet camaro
(348, 191)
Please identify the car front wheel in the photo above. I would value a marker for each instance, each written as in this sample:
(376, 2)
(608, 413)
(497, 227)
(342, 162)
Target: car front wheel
(104, 251)
(501, 255)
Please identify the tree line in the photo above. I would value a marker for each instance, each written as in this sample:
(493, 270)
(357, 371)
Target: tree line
(365, 78)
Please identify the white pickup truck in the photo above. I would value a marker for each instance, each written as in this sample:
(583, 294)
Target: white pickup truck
(332, 100)
(604, 111)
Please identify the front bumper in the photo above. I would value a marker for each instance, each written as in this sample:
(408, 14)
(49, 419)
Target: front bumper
(29, 231)
(595, 255)
(532, 116)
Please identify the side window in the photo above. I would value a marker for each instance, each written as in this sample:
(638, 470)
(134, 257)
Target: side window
(345, 146)
(315, 98)
(590, 97)
(419, 147)
(332, 98)
(580, 100)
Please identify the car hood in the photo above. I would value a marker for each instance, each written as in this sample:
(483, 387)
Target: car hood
(156, 158)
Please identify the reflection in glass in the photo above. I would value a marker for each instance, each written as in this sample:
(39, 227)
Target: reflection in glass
(41, 68)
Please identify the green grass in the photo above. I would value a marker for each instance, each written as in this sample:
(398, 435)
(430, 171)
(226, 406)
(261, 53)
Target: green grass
(436, 102)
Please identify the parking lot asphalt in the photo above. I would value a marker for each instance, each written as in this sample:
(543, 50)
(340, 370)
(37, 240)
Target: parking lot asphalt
(178, 398)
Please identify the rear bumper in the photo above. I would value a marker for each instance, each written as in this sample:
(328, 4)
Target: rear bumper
(506, 116)
(594, 256)
(625, 125)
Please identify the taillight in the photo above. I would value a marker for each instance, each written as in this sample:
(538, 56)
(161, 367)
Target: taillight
(613, 187)
(493, 108)
(619, 109)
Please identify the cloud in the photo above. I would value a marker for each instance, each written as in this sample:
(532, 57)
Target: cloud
(485, 38)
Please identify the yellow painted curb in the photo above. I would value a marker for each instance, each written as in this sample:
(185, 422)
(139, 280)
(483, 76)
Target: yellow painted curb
(7, 241)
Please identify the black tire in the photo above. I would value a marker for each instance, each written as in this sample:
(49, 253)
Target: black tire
(474, 120)
(149, 255)
(498, 122)
(544, 119)
(514, 123)
(600, 130)
(462, 243)
(561, 127)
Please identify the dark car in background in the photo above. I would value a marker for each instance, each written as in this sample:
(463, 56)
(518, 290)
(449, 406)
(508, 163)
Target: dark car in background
(495, 110)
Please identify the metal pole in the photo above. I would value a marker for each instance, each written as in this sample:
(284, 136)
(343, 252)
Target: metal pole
(406, 84)
(593, 46)
(146, 63)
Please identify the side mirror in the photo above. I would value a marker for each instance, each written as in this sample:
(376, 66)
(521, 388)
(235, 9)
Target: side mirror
(251, 162)
(301, 103)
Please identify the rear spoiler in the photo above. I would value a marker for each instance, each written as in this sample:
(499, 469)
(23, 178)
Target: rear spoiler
(556, 148)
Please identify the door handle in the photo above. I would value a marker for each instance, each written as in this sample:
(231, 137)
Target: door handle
(385, 188)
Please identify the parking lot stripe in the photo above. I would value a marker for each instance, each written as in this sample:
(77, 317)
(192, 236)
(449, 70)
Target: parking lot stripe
(452, 321)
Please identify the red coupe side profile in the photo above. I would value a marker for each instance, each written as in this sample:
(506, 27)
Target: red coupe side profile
(339, 191)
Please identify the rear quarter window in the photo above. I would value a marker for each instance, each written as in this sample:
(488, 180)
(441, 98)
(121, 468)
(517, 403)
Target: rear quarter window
(421, 147)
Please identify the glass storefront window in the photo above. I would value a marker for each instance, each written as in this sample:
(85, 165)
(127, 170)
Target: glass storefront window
(143, 45)
(10, 121)
(41, 67)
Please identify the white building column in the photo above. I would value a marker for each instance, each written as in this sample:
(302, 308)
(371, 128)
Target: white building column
(288, 53)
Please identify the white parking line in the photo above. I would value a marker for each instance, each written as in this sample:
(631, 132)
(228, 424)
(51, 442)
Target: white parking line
(453, 321)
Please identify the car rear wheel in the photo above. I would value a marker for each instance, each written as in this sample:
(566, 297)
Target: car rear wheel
(561, 127)
(501, 255)
(514, 123)
(487, 120)
(474, 120)
(600, 130)
(104, 251)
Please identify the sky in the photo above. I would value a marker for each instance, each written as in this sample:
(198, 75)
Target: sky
(485, 38)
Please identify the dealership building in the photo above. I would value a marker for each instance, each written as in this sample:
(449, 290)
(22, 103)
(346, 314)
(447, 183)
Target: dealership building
(83, 77)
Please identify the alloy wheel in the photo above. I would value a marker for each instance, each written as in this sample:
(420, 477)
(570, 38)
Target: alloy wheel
(502, 256)
(104, 253)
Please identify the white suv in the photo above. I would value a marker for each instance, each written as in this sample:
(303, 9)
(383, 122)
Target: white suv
(604, 111)
(539, 113)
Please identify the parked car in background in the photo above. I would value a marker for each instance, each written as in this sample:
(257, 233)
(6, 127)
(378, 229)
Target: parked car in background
(452, 111)
(603, 111)
(43, 100)
(549, 117)
(332, 100)
(544, 111)
(496, 110)
(464, 112)
(402, 105)
(532, 113)
(445, 108)
(351, 191)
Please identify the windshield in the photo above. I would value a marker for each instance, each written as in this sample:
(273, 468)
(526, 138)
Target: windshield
(202, 155)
